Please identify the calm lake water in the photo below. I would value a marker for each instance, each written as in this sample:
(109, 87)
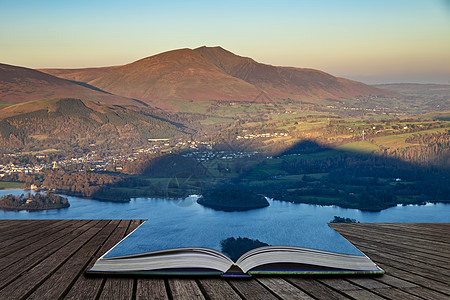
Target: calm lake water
(171, 219)
(155, 209)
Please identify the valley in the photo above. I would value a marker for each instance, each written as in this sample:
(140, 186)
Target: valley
(192, 121)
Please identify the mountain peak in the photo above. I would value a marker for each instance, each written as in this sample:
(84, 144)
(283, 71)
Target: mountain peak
(209, 47)
(214, 73)
(216, 50)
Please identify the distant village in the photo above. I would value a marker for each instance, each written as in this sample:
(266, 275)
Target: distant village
(92, 161)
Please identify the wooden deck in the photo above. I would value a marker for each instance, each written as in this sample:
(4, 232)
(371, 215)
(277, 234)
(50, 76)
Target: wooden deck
(46, 259)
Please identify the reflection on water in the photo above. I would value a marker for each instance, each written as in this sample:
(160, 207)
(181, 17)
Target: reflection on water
(235, 247)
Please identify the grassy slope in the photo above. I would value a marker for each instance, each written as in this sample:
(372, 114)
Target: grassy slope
(6, 185)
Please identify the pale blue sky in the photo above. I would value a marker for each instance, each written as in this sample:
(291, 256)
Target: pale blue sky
(372, 41)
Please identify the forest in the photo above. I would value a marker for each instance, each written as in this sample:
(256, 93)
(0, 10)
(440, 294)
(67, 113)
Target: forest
(106, 127)
(36, 201)
(349, 179)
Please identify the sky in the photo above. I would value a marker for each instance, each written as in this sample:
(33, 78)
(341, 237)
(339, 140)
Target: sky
(381, 41)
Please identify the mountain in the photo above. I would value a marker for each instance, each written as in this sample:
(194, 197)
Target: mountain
(68, 123)
(213, 73)
(18, 84)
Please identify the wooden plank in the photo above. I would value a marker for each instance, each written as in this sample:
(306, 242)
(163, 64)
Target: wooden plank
(413, 243)
(23, 233)
(436, 273)
(32, 278)
(423, 264)
(431, 230)
(401, 265)
(88, 287)
(368, 283)
(422, 239)
(14, 226)
(251, 289)
(117, 288)
(217, 289)
(19, 248)
(36, 256)
(339, 284)
(363, 295)
(121, 231)
(415, 230)
(124, 282)
(53, 259)
(315, 288)
(392, 293)
(410, 254)
(55, 286)
(184, 289)
(425, 293)
(416, 278)
(380, 241)
(30, 242)
(438, 277)
(17, 226)
(348, 288)
(282, 288)
(151, 288)
(405, 253)
(425, 261)
(395, 282)
(410, 287)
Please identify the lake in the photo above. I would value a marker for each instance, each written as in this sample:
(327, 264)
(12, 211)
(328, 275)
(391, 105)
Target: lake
(184, 221)
(155, 208)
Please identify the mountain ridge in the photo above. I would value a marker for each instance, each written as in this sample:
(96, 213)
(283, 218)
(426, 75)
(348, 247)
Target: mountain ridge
(20, 84)
(213, 73)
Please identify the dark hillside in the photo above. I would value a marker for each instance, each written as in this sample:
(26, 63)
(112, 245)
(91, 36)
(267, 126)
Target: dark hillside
(66, 123)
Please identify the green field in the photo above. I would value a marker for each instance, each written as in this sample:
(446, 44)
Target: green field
(398, 141)
(363, 147)
(216, 120)
(5, 185)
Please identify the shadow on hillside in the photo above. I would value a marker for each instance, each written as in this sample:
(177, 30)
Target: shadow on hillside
(91, 87)
(87, 85)
(306, 173)
(312, 173)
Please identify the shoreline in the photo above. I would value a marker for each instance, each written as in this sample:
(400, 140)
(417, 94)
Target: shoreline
(30, 209)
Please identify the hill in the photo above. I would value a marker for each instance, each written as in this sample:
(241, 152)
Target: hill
(438, 115)
(68, 123)
(18, 84)
(423, 97)
(417, 88)
(213, 73)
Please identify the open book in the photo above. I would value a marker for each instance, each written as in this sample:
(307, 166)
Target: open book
(143, 252)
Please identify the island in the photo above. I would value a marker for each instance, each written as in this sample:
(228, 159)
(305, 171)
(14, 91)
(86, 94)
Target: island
(36, 201)
(338, 219)
(232, 199)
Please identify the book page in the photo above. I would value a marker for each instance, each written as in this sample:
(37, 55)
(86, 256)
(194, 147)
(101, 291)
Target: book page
(174, 226)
